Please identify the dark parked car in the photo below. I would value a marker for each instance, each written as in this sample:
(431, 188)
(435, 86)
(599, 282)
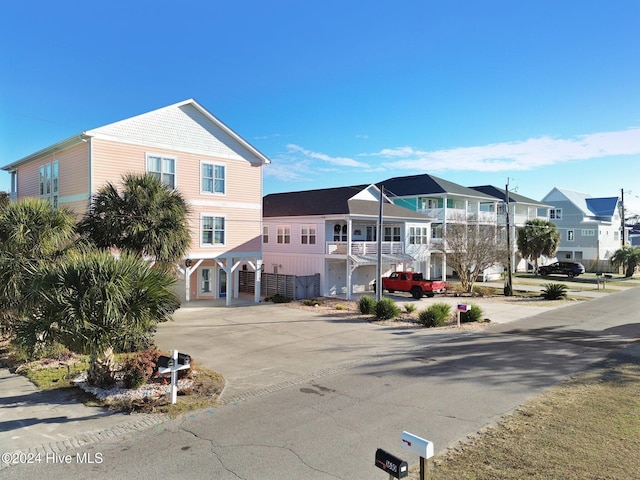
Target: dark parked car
(570, 269)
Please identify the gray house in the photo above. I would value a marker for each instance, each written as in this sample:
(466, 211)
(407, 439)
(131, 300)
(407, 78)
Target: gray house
(590, 228)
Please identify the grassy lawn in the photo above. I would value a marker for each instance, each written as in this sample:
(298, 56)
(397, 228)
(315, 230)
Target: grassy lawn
(587, 427)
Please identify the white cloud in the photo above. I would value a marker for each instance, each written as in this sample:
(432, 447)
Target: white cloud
(523, 155)
(340, 161)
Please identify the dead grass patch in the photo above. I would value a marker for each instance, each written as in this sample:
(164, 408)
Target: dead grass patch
(587, 427)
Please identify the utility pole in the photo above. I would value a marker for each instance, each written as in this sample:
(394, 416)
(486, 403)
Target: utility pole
(508, 288)
(622, 212)
(379, 248)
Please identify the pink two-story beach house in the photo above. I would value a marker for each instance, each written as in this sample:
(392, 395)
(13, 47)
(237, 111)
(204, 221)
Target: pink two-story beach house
(218, 172)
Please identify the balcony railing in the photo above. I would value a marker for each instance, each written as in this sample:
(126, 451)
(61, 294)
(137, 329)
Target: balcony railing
(364, 248)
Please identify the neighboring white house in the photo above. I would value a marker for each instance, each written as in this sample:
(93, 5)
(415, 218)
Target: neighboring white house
(333, 232)
(590, 228)
(447, 202)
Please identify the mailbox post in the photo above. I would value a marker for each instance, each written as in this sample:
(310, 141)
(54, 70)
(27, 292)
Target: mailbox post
(462, 307)
(421, 447)
(175, 363)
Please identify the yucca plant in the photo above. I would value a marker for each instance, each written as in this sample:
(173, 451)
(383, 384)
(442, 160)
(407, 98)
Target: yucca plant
(554, 291)
(386, 309)
(366, 305)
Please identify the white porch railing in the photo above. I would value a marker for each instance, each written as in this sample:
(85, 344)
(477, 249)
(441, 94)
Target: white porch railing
(363, 248)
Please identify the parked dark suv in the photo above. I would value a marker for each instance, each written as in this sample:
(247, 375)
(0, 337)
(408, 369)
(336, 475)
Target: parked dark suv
(570, 269)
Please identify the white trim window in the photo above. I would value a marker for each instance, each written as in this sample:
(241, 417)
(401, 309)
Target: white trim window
(205, 280)
(212, 230)
(308, 235)
(418, 236)
(48, 186)
(391, 234)
(265, 234)
(163, 168)
(283, 235)
(571, 235)
(212, 178)
(555, 214)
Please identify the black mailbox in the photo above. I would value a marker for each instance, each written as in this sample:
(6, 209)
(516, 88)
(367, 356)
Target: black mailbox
(391, 464)
(165, 362)
(184, 359)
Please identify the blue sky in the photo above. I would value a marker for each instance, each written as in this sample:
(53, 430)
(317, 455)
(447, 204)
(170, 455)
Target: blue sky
(542, 93)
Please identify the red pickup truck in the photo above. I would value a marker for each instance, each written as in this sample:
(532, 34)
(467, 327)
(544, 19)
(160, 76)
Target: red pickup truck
(413, 283)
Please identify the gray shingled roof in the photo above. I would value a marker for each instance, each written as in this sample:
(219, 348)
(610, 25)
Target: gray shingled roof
(425, 184)
(330, 201)
(500, 194)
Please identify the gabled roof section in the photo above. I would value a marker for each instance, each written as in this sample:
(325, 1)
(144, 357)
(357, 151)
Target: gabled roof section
(500, 193)
(325, 201)
(425, 184)
(356, 200)
(589, 206)
(185, 126)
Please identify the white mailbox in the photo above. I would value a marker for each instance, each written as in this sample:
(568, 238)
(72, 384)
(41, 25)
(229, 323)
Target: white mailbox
(421, 447)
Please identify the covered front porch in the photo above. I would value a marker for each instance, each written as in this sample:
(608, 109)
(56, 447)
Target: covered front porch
(218, 277)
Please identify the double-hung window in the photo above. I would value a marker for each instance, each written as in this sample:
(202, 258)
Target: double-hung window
(212, 178)
(283, 234)
(418, 236)
(163, 168)
(391, 234)
(308, 235)
(212, 230)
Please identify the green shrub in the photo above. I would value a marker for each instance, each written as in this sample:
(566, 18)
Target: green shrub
(277, 298)
(386, 309)
(427, 318)
(409, 307)
(554, 291)
(366, 305)
(435, 316)
(472, 315)
(311, 302)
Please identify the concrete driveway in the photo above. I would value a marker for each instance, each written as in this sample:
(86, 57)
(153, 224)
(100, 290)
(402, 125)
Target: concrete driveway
(266, 347)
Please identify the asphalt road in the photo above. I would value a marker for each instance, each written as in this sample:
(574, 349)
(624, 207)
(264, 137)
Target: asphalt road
(329, 424)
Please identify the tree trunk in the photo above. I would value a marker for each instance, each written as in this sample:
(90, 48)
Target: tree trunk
(101, 369)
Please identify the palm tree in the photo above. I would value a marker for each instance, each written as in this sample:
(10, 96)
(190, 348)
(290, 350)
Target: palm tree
(627, 258)
(146, 218)
(93, 303)
(31, 231)
(538, 237)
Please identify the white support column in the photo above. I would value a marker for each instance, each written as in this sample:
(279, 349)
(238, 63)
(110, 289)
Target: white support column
(187, 278)
(444, 267)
